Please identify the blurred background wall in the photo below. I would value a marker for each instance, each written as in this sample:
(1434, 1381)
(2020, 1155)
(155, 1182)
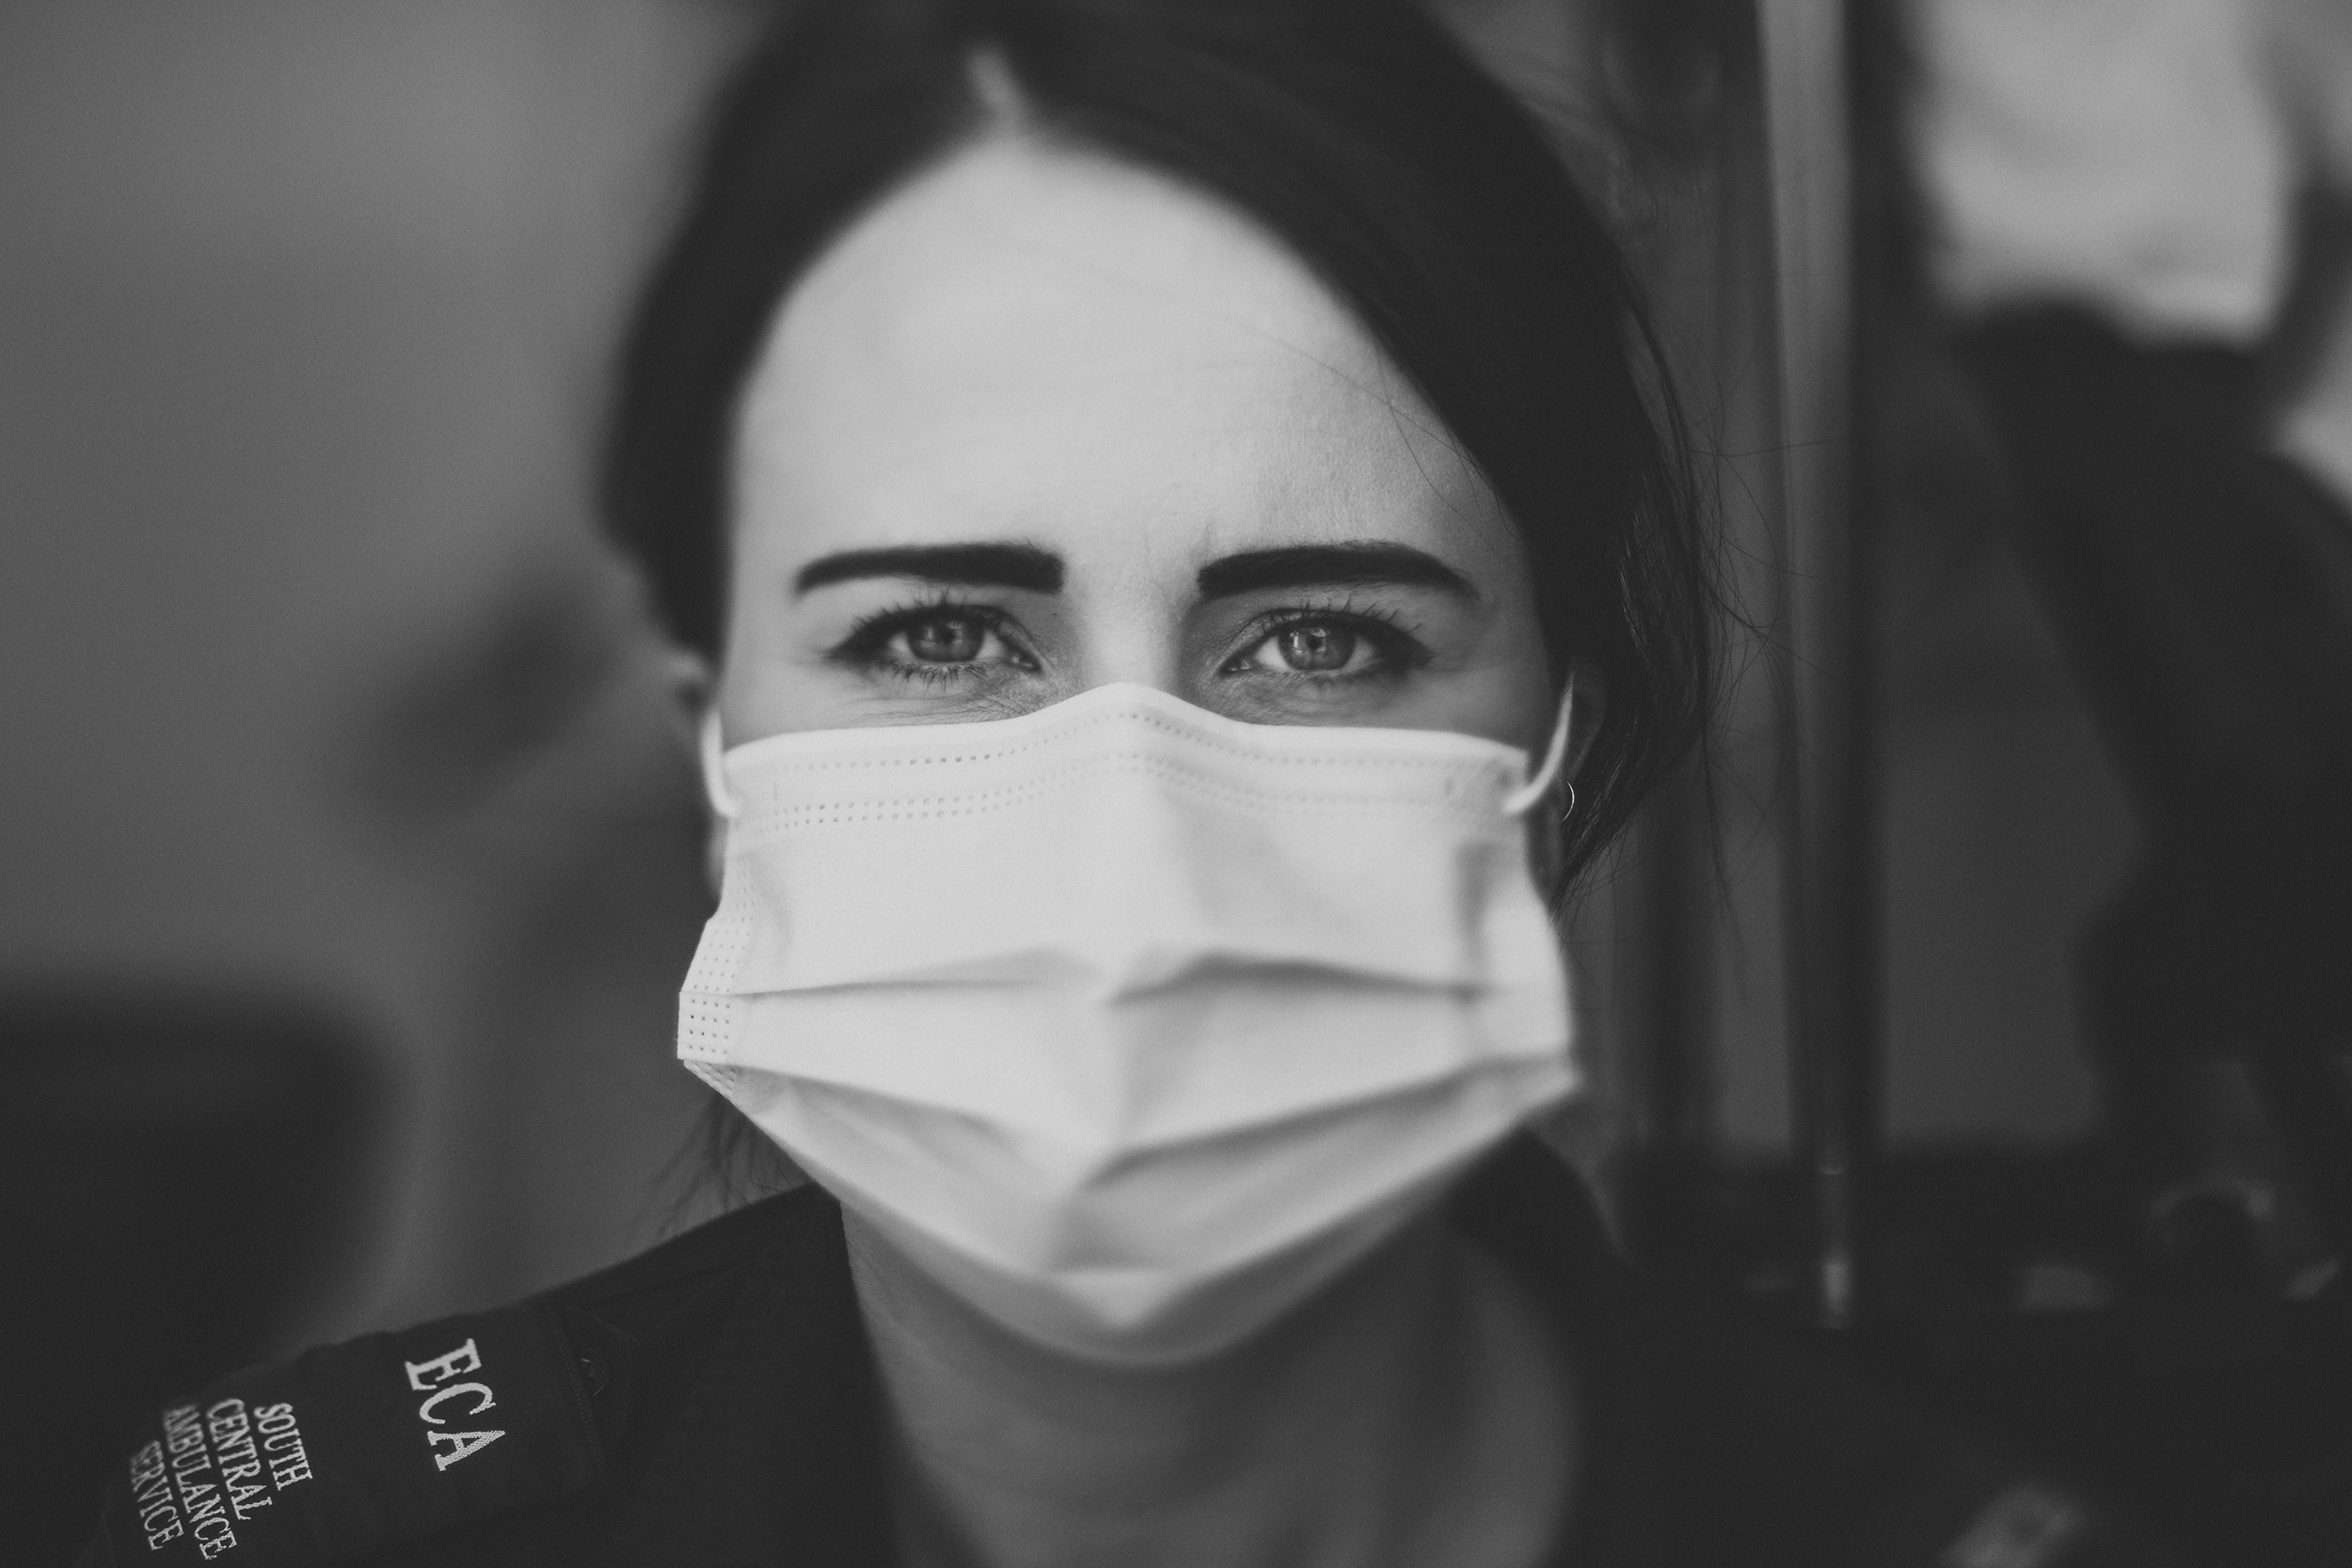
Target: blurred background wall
(316, 682)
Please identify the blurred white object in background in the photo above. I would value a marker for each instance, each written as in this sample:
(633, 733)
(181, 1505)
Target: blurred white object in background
(2311, 51)
(2159, 160)
(2127, 154)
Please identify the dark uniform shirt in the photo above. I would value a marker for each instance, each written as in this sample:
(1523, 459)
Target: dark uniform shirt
(713, 1403)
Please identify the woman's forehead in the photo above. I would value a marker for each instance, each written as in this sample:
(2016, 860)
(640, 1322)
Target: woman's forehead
(1040, 342)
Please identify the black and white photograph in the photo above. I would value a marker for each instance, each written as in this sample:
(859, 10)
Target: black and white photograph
(1176, 784)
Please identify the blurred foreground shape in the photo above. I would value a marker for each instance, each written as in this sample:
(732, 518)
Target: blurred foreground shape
(179, 1171)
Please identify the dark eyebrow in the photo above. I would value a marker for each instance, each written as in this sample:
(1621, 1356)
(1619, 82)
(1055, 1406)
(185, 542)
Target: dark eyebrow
(992, 566)
(1321, 565)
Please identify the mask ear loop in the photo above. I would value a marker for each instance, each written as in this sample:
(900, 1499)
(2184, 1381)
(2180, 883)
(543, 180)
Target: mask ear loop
(714, 771)
(1523, 800)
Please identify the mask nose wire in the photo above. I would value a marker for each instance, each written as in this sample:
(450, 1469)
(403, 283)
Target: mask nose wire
(714, 771)
(1517, 803)
(1523, 798)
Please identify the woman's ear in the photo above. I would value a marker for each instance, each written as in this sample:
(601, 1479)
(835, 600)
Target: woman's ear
(694, 692)
(1592, 706)
(1584, 703)
(692, 689)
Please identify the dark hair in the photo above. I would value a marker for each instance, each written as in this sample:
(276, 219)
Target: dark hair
(1356, 132)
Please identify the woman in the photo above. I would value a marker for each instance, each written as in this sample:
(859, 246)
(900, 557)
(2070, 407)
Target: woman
(1181, 564)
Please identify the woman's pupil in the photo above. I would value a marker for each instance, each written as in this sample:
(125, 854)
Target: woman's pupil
(1317, 645)
(945, 639)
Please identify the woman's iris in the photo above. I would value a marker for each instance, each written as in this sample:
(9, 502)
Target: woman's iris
(946, 640)
(1315, 647)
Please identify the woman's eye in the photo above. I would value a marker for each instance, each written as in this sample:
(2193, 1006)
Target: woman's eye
(943, 641)
(1313, 648)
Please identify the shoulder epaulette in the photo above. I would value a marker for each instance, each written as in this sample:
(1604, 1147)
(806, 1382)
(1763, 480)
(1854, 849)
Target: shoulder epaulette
(396, 1437)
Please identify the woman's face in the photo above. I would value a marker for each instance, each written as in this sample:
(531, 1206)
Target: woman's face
(1042, 421)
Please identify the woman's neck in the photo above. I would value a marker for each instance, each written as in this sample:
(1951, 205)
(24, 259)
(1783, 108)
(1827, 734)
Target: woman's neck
(1416, 1413)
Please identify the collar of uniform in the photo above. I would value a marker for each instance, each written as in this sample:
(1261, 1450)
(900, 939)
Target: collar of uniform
(774, 1455)
(1528, 1207)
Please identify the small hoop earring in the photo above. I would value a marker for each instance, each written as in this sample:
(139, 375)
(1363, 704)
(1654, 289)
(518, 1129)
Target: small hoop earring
(1570, 810)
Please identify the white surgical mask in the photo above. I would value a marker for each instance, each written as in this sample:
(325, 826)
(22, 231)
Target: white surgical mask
(1129, 1023)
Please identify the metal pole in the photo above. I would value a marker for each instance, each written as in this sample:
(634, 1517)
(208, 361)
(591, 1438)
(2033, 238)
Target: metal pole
(1828, 798)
